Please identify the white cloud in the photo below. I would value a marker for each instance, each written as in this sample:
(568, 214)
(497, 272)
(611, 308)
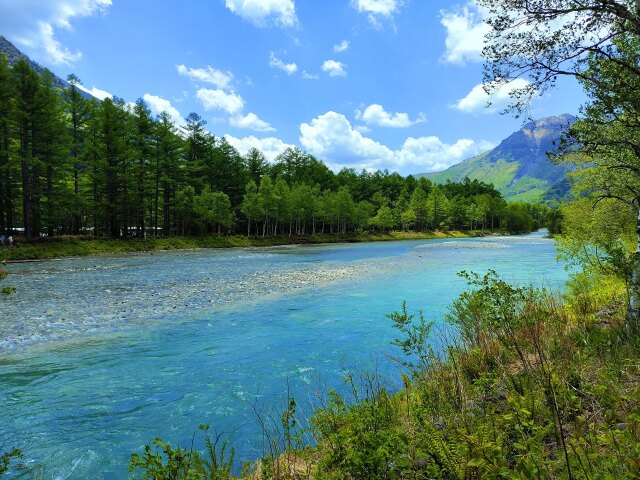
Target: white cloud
(376, 115)
(265, 12)
(250, 121)
(341, 47)
(32, 25)
(233, 104)
(96, 92)
(466, 31)
(271, 147)
(157, 105)
(430, 154)
(310, 76)
(332, 138)
(377, 10)
(334, 68)
(208, 74)
(477, 100)
(218, 99)
(288, 68)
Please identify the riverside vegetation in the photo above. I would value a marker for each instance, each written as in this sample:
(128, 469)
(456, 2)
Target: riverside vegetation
(70, 165)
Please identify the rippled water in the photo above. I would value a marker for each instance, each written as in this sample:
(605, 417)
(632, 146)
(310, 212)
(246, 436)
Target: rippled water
(98, 355)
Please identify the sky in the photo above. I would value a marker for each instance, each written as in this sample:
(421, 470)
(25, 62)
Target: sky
(373, 84)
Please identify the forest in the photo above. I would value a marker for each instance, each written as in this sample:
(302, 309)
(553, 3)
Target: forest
(71, 165)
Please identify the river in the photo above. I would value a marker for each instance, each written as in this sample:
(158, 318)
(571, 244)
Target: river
(99, 355)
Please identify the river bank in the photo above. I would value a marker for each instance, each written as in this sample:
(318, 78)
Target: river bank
(81, 246)
(102, 362)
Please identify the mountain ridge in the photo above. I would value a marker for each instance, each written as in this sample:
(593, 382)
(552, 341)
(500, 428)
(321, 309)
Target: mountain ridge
(14, 55)
(519, 166)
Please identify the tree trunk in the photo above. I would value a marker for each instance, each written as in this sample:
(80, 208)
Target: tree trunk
(26, 199)
(156, 203)
(633, 313)
(50, 224)
(166, 219)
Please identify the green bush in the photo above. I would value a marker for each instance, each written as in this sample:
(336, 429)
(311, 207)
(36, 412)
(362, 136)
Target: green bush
(161, 461)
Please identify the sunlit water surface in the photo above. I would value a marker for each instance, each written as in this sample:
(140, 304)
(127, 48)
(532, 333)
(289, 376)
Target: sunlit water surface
(99, 355)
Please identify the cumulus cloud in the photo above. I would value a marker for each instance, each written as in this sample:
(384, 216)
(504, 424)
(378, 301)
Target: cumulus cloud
(288, 68)
(32, 25)
(219, 99)
(430, 154)
(263, 13)
(309, 76)
(222, 99)
(477, 100)
(376, 115)
(157, 105)
(341, 47)
(466, 31)
(207, 74)
(334, 68)
(271, 147)
(250, 121)
(332, 137)
(377, 10)
(95, 91)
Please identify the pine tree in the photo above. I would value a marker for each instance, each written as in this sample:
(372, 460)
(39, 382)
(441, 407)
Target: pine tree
(252, 206)
(51, 148)
(256, 164)
(143, 148)
(8, 170)
(78, 114)
(26, 85)
(167, 172)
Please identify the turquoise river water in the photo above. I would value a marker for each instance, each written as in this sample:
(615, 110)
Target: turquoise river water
(99, 355)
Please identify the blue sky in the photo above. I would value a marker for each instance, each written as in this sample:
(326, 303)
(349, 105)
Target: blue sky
(360, 83)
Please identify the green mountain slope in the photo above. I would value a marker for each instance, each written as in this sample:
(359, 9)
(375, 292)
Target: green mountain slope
(518, 167)
(14, 55)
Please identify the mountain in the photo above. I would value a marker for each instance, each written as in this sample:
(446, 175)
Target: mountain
(518, 166)
(13, 55)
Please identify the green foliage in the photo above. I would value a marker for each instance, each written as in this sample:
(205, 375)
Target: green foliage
(161, 461)
(414, 342)
(517, 219)
(597, 235)
(365, 440)
(383, 219)
(554, 221)
(493, 308)
(107, 170)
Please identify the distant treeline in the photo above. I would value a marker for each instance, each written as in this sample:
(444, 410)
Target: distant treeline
(72, 165)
